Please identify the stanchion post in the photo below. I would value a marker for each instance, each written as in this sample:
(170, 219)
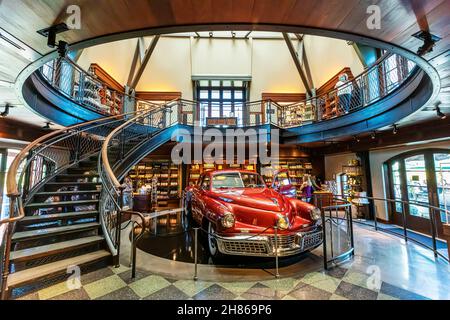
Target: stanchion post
(375, 221)
(352, 239)
(433, 231)
(277, 274)
(405, 232)
(324, 242)
(195, 252)
(132, 244)
(133, 269)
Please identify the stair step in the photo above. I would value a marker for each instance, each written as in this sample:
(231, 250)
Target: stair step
(54, 248)
(88, 163)
(76, 176)
(80, 170)
(66, 193)
(57, 216)
(72, 183)
(60, 204)
(47, 270)
(40, 233)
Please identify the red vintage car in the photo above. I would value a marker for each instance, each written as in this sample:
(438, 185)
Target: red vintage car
(240, 214)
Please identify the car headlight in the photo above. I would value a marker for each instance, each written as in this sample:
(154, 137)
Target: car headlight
(228, 220)
(315, 213)
(282, 222)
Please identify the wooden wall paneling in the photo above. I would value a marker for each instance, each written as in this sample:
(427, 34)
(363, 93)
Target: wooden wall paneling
(158, 95)
(17, 130)
(105, 77)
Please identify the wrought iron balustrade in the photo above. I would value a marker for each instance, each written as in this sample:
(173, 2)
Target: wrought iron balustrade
(117, 147)
(375, 83)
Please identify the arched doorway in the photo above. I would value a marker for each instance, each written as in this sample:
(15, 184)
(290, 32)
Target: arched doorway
(422, 176)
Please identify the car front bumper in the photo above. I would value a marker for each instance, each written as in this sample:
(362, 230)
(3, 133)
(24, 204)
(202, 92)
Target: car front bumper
(265, 246)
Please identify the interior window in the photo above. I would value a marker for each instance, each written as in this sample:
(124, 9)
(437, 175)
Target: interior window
(221, 99)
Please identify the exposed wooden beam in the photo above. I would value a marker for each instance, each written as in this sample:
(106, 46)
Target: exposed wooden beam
(76, 55)
(299, 37)
(144, 62)
(297, 63)
(141, 48)
(134, 64)
(305, 64)
(359, 54)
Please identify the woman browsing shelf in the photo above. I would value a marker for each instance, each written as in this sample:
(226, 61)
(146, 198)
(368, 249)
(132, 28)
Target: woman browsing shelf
(127, 194)
(307, 189)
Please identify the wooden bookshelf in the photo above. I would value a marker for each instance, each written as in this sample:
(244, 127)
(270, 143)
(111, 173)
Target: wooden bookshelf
(195, 170)
(297, 169)
(168, 180)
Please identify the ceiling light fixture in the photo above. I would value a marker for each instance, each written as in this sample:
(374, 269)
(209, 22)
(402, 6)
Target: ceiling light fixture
(429, 40)
(47, 126)
(440, 114)
(6, 111)
(51, 32)
(373, 135)
(10, 42)
(356, 138)
(395, 129)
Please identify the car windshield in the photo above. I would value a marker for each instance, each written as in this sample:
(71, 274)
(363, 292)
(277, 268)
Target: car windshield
(237, 180)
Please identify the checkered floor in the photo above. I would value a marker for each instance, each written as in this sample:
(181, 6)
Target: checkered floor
(116, 284)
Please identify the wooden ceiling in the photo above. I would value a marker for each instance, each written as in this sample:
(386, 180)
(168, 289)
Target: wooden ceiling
(399, 20)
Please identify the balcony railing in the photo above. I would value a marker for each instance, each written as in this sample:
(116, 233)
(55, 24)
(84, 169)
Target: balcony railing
(375, 83)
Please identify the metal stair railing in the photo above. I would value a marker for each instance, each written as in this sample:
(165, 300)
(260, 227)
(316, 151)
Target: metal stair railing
(376, 82)
(435, 213)
(56, 151)
(117, 147)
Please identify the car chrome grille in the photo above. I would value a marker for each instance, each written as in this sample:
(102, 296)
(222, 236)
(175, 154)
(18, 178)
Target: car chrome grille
(311, 240)
(245, 247)
(284, 241)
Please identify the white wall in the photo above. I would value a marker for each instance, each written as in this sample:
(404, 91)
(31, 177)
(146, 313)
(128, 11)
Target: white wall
(273, 69)
(169, 68)
(327, 56)
(221, 56)
(334, 163)
(114, 57)
(267, 61)
(378, 157)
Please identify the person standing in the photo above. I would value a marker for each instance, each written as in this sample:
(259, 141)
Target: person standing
(127, 194)
(344, 92)
(307, 189)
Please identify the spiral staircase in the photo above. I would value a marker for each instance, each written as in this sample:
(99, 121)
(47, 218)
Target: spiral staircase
(64, 212)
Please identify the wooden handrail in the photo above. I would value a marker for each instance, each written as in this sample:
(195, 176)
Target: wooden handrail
(104, 151)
